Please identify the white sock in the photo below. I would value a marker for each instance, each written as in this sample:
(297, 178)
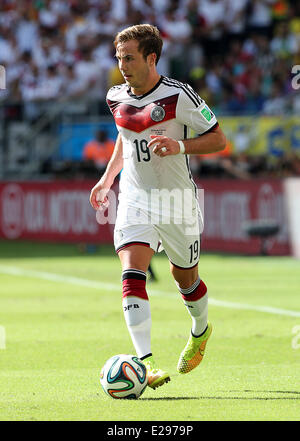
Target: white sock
(195, 299)
(138, 319)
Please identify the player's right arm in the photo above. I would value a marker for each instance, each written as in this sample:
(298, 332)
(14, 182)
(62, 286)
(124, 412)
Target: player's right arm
(115, 165)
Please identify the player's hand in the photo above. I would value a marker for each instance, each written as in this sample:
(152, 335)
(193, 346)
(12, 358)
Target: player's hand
(98, 195)
(164, 146)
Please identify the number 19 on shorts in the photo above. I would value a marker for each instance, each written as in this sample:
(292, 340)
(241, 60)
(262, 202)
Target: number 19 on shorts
(194, 251)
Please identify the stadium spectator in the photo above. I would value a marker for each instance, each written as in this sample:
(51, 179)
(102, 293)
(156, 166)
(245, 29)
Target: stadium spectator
(277, 103)
(260, 16)
(50, 85)
(8, 49)
(75, 86)
(284, 42)
(99, 150)
(26, 29)
(177, 31)
(213, 13)
(47, 52)
(235, 19)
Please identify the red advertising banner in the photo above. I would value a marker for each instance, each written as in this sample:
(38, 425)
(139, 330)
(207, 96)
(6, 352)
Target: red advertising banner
(60, 211)
(229, 204)
(50, 211)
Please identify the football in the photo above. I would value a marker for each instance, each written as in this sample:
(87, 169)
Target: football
(124, 376)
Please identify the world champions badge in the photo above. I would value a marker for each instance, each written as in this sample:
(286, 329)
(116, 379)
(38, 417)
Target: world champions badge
(157, 113)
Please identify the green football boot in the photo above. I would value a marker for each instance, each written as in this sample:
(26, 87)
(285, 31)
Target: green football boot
(193, 353)
(156, 377)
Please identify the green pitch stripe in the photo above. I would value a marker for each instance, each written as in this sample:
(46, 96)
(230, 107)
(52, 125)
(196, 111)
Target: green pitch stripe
(60, 278)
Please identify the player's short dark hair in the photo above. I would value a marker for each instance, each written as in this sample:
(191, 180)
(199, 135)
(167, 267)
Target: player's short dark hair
(148, 37)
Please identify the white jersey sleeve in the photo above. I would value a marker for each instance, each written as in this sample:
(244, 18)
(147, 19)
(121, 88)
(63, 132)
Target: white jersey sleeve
(193, 112)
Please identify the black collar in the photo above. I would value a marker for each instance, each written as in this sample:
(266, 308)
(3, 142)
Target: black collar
(139, 97)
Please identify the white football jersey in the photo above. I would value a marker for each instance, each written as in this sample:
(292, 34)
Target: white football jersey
(170, 109)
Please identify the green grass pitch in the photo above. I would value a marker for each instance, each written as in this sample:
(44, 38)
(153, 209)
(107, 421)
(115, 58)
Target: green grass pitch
(61, 319)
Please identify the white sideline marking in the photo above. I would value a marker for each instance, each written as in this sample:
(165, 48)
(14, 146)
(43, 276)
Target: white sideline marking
(246, 306)
(60, 278)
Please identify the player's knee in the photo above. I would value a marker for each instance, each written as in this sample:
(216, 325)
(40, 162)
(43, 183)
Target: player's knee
(184, 278)
(136, 256)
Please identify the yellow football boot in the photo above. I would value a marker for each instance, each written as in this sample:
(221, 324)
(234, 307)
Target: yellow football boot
(156, 377)
(193, 353)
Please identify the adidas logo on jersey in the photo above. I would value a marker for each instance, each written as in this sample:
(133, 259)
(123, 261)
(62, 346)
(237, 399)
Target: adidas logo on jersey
(118, 114)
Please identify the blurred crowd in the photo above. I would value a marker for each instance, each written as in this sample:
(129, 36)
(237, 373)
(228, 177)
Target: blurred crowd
(237, 54)
(245, 166)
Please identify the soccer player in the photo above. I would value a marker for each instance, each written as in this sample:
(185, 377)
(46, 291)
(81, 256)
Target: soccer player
(154, 115)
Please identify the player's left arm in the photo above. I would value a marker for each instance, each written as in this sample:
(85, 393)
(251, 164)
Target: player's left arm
(193, 112)
(211, 142)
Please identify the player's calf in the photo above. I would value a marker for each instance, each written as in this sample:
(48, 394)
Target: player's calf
(195, 299)
(136, 310)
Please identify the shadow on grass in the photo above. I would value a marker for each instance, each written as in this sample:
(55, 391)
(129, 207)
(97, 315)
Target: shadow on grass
(12, 249)
(235, 397)
(22, 249)
(295, 392)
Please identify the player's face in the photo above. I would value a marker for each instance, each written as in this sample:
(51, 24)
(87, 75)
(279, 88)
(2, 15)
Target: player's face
(132, 64)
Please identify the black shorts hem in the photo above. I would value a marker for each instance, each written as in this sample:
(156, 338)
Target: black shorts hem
(182, 267)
